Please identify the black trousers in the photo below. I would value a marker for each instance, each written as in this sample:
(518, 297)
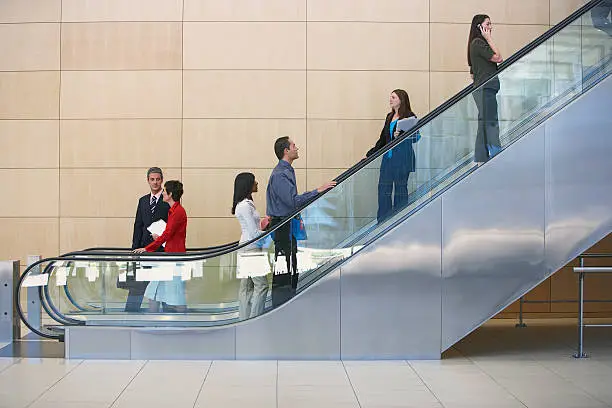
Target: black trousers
(487, 136)
(285, 245)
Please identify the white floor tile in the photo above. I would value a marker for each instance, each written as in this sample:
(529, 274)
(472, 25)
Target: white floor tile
(64, 404)
(397, 398)
(457, 385)
(99, 381)
(25, 380)
(173, 383)
(323, 373)
(6, 362)
(237, 396)
(242, 373)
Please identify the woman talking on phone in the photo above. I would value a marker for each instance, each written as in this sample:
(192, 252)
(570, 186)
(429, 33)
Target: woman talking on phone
(483, 57)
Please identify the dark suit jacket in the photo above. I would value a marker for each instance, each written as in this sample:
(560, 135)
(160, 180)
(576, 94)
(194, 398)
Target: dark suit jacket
(142, 237)
(403, 153)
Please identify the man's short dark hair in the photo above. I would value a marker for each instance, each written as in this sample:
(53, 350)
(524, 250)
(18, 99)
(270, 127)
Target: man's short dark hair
(280, 145)
(155, 170)
(174, 188)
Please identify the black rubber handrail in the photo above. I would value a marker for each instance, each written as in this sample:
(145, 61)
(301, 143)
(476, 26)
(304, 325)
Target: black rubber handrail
(182, 257)
(203, 249)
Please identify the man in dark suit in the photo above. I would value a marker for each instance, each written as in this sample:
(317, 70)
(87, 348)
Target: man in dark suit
(151, 208)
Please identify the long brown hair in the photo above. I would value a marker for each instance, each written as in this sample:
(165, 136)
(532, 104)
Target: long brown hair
(405, 111)
(477, 20)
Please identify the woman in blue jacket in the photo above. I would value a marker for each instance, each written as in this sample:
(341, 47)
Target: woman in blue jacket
(397, 163)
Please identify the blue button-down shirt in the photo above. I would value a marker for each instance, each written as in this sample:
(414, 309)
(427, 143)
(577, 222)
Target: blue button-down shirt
(281, 196)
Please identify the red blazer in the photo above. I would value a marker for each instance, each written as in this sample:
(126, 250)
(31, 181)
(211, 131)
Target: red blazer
(175, 233)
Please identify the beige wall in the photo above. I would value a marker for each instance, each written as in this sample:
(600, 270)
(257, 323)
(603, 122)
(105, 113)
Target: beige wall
(92, 92)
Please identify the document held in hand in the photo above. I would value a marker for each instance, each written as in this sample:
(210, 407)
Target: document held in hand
(157, 227)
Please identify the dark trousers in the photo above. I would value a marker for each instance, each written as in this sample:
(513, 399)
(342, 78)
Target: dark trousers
(392, 187)
(487, 137)
(600, 16)
(285, 245)
(135, 296)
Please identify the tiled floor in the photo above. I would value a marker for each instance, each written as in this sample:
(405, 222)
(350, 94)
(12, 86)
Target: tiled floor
(497, 366)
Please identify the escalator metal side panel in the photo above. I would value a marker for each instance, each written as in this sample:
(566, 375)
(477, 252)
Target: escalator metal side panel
(391, 292)
(493, 237)
(579, 176)
(308, 327)
(526, 213)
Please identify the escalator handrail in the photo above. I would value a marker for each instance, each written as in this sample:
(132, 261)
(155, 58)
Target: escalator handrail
(210, 248)
(196, 256)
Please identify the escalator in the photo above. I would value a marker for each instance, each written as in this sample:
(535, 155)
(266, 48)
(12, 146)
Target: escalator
(470, 240)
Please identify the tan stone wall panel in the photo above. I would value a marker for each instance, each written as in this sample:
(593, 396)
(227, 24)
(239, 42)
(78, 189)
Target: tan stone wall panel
(29, 47)
(121, 10)
(117, 46)
(445, 85)
(206, 232)
(560, 9)
(121, 94)
(500, 11)
(29, 95)
(368, 46)
(245, 45)
(21, 237)
(29, 193)
(340, 143)
(121, 143)
(80, 233)
(244, 94)
(245, 10)
(29, 143)
(232, 143)
(369, 10)
(30, 11)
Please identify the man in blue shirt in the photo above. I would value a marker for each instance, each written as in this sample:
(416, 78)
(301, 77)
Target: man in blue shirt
(282, 199)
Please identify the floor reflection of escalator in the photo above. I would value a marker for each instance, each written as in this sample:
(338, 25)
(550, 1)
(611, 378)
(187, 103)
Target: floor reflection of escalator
(539, 84)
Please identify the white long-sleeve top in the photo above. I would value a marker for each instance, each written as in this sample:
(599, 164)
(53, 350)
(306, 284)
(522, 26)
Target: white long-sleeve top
(249, 219)
(252, 261)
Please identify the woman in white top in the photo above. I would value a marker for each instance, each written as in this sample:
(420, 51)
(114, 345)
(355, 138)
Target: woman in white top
(252, 273)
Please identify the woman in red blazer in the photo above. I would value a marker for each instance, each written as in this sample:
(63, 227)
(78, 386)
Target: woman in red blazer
(171, 294)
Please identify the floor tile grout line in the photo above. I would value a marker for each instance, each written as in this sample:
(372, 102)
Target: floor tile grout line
(202, 386)
(424, 383)
(128, 384)
(54, 384)
(474, 363)
(567, 380)
(348, 377)
(17, 360)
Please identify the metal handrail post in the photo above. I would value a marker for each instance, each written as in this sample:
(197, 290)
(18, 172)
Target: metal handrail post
(520, 324)
(580, 353)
